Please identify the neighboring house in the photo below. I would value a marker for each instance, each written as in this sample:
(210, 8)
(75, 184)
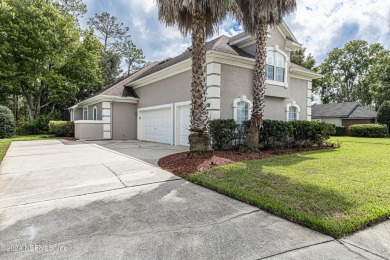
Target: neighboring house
(153, 104)
(343, 114)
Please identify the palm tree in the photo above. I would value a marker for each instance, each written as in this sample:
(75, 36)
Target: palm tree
(256, 16)
(199, 18)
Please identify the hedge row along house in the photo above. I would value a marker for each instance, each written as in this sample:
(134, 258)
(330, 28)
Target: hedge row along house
(153, 104)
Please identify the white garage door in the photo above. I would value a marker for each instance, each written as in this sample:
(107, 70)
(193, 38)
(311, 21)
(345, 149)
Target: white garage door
(184, 125)
(156, 125)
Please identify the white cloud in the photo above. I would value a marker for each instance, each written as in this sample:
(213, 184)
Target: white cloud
(323, 25)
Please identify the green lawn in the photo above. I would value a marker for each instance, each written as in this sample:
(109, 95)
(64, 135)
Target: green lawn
(5, 143)
(333, 191)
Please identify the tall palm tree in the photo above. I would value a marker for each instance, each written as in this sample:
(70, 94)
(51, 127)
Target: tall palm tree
(199, 18)
(256, 16)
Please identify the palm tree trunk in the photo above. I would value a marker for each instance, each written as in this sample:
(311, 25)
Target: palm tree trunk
(258, 87)
(199, 138)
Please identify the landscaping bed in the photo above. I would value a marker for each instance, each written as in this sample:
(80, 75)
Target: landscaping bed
(182, 166)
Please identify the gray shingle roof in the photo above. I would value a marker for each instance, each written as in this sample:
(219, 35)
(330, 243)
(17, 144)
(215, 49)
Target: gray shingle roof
(218, 44)
(342, 110)
(362, 112)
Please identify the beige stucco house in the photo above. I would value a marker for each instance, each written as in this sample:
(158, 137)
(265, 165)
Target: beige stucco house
(153, 104)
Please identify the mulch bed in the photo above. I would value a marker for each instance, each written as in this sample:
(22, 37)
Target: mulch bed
(70, 138)
(182, 166)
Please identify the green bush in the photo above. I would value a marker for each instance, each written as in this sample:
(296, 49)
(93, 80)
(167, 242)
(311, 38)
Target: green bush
(368, 130)
(383, 115)
(282, 134)
(223, 132)
(340, 130)
(7, 123)
(27, 128)
(62, 128)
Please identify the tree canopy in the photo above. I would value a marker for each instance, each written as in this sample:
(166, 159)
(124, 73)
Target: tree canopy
(42, 55)
(299, 57)
(357, 72)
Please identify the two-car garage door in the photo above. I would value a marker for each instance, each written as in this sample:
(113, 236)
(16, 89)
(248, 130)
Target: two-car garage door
(157, 124)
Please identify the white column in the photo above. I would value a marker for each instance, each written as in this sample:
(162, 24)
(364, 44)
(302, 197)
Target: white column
(106, 117)
(214, 90)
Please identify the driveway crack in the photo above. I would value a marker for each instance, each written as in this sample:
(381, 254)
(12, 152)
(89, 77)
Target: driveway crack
(361, 248)
(108, 168)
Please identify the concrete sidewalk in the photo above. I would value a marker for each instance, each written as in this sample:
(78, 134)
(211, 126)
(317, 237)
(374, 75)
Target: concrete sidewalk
(87, 202)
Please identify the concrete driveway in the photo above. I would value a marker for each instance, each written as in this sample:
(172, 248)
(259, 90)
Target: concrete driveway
(87, 202)
(145, 151)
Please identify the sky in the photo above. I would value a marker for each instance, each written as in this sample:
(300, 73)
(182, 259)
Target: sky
(319, 25)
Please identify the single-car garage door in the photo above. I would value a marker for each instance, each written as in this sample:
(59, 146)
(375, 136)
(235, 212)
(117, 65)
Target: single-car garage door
(155, 125)
(184, 125)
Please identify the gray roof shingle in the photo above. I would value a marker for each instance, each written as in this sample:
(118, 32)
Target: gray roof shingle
(342, 110)
(363, 112)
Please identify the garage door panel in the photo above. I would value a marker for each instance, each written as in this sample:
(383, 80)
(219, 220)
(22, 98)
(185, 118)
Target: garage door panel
(156, 125)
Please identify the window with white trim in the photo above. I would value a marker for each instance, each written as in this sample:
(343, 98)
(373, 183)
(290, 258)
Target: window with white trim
(94, 114)
(242, 111)
(275, 67)
(293, 113)
(242, 108)
(85, 113)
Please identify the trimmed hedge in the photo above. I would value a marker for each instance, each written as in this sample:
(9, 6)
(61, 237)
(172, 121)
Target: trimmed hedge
(62, 128)
(7, 122)
(223, 132)
(368, 130)
(340, 130)
(274, 134)
(27, 128)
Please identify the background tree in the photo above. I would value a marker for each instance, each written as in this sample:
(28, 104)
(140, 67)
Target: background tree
(354, 73)
(133, 56)
(75, 8)
(37, 44)
(383, 116)
(198, 18)
(111, 33)
(256, 17)
(299, 57)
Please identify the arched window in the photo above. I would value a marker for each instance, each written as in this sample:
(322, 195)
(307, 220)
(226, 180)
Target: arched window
(275, 67)
(292, 111)
(85, 113)
(242, 109)
(94, 113)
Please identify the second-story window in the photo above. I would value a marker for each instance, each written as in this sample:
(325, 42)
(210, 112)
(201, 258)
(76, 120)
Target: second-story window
(275, 66)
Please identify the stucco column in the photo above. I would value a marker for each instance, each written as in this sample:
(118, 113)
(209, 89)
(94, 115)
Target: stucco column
(309, 100)
(106, 117)
(214, 90)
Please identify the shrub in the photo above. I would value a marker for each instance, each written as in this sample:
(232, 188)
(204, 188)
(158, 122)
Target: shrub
(340, 130)
(283, 134)
(383, 115)
(27, 128)
(7, 122)
(368, 130)
(223, 131)
(62, 128)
